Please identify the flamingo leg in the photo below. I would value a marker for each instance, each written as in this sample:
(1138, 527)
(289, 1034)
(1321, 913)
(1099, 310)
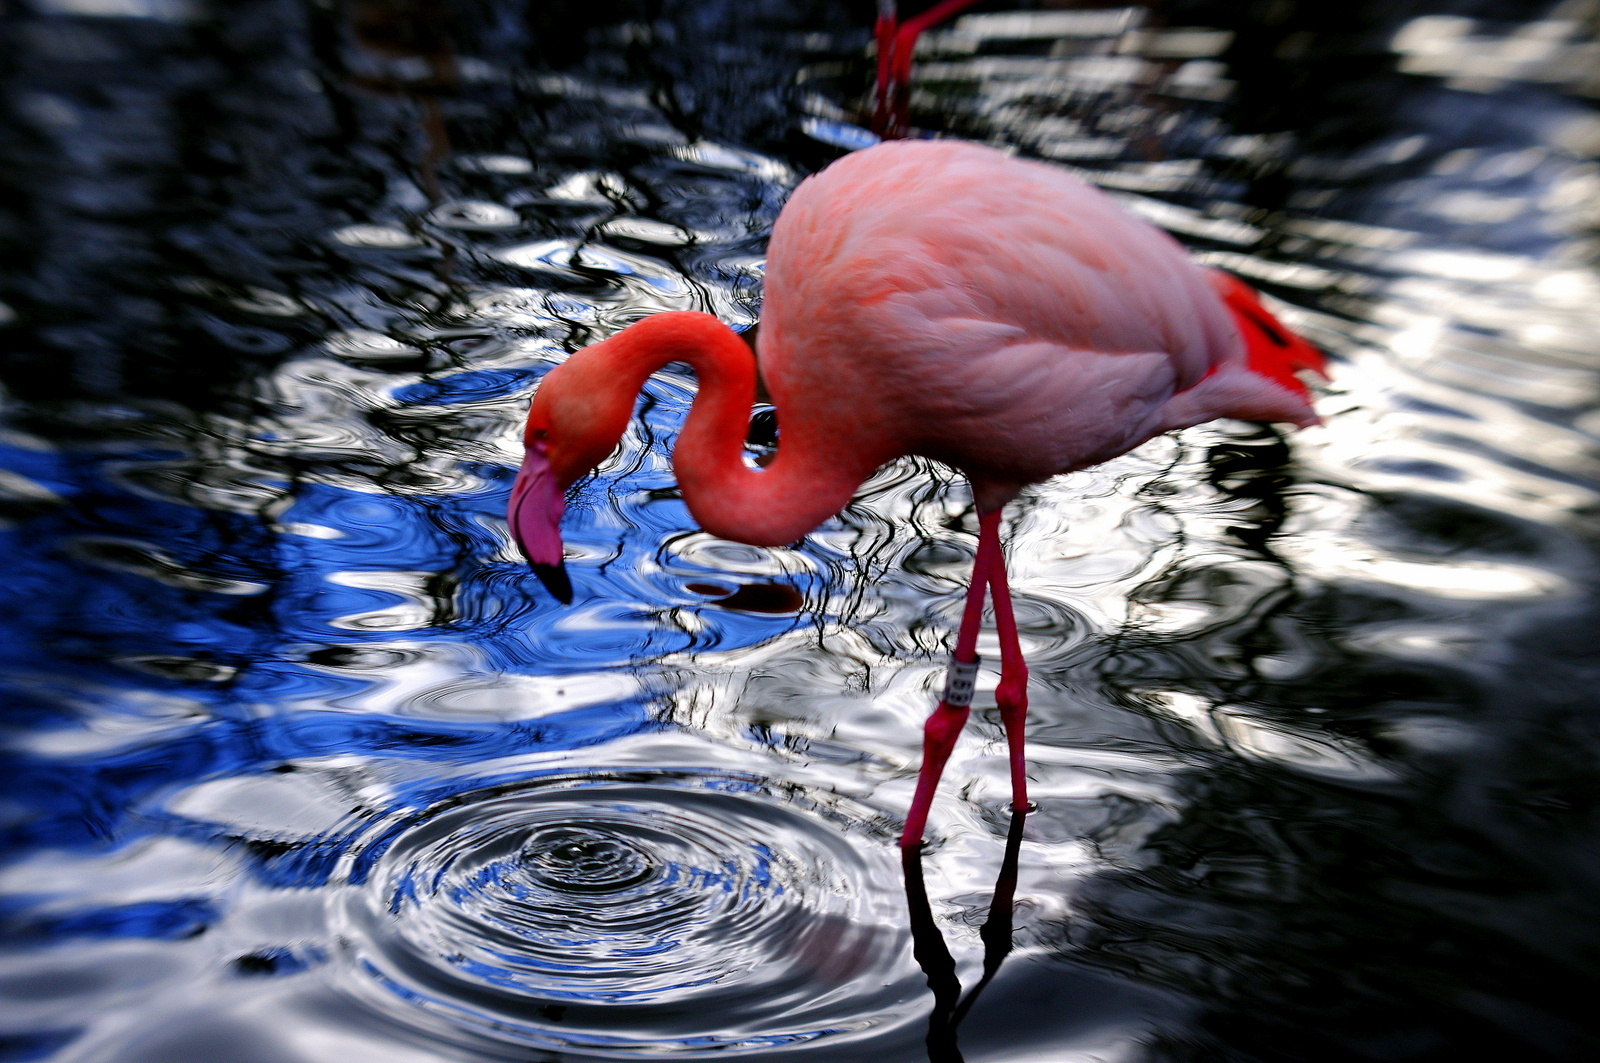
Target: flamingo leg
(944, 726)
(883, 32)
(897, 43)
(1011, 695)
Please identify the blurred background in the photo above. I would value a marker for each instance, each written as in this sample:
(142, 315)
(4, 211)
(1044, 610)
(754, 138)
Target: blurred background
(303, 765)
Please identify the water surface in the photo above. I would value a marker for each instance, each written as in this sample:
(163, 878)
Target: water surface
(305, 766)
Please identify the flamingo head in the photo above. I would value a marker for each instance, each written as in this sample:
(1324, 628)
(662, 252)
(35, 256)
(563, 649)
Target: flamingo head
(568, 434)
(535, 518)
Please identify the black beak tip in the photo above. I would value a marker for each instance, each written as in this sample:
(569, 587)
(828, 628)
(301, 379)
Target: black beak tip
(555, 580)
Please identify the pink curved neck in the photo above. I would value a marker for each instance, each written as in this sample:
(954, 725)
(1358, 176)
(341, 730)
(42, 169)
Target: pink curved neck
(774, 506)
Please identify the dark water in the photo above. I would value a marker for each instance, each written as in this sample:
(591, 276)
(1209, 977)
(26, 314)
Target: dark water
(305, 767)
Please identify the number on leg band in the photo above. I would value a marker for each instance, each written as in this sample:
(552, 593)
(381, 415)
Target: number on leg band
(959, 682)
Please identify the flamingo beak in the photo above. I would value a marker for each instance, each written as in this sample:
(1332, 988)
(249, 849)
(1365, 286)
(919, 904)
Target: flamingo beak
(535, 519)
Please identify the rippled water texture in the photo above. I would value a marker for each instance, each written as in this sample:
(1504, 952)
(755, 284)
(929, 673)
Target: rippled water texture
(615, 911)
(305, 767)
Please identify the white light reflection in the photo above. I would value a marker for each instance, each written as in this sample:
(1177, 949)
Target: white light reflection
(648, 231)
(1326, 556)
(416, 611)
(1049, 25)
(502, 164)
(1417, 641)
(1547, 50)
(588, 186)
(106, 718)
(1313, 752)
(368, 346)
(384, 236)
(300, 804)
(474, 214)
(158, 10)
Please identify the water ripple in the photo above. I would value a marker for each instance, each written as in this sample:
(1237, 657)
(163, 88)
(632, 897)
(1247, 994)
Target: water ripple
(629, 912)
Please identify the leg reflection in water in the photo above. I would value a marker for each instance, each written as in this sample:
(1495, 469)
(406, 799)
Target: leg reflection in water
(933, 955)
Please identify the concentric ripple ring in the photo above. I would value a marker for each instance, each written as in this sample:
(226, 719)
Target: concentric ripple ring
(617, 914)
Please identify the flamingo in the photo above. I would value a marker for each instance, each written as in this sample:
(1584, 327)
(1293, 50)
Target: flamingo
(937, 298)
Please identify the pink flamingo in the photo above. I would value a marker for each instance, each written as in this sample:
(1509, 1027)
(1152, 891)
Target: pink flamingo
(935, 298)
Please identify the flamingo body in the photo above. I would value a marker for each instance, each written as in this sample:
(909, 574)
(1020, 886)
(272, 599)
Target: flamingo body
(942, 298)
